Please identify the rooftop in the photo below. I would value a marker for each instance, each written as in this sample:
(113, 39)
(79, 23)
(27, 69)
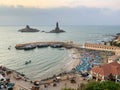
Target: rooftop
(107, 69)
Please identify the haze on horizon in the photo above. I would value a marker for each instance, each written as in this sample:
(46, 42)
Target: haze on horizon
(67, 12)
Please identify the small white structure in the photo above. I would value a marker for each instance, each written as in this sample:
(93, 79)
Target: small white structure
(113, 58)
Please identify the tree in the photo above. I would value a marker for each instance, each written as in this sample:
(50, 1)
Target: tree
(107, 85)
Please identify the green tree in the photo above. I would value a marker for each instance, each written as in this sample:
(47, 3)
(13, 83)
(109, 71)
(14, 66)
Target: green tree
(107, 85)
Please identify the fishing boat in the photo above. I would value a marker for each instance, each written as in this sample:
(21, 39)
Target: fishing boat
(9, 47)
(42, 45)
(29, 47)
(56, 46)
(27, 62)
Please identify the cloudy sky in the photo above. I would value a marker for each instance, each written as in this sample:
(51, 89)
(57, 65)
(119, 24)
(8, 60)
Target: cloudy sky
(67, 12)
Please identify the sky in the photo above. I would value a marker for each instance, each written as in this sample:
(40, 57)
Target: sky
(67, 12)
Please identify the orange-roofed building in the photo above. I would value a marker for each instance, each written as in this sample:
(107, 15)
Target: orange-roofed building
(103, 72)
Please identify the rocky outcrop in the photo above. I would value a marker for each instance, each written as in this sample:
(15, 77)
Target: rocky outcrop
(28, 29)
(57, 29)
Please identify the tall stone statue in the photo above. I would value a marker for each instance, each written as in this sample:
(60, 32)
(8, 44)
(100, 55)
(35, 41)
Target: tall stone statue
(57, 29)
(27, 26)
(57, 25)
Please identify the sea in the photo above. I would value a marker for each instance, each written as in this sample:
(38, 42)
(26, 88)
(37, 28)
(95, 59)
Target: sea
(46, 62)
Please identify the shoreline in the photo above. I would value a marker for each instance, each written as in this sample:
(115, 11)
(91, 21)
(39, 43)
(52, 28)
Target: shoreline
(21, 81)
(73, 61)
(18, 79)
(74, 57)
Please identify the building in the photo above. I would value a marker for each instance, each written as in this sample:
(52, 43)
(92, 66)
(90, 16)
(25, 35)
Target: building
(103, 72)
(103, 48)
(113, 58)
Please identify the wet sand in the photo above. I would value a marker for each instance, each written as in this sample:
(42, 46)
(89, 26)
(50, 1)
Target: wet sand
(74, 57)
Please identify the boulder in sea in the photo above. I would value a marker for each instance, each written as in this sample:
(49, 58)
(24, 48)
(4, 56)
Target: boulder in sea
(28, 29)
(57, 29)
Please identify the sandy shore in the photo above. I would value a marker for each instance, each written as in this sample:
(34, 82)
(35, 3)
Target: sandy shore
(18, 81)
(74, 57)
(64, 81)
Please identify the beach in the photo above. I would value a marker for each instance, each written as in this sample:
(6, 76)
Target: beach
(78, 58)
(65, 82)
(74, 57)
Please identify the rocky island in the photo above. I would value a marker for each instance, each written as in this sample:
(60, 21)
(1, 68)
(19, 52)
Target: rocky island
(57, 29)
(28, 29)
